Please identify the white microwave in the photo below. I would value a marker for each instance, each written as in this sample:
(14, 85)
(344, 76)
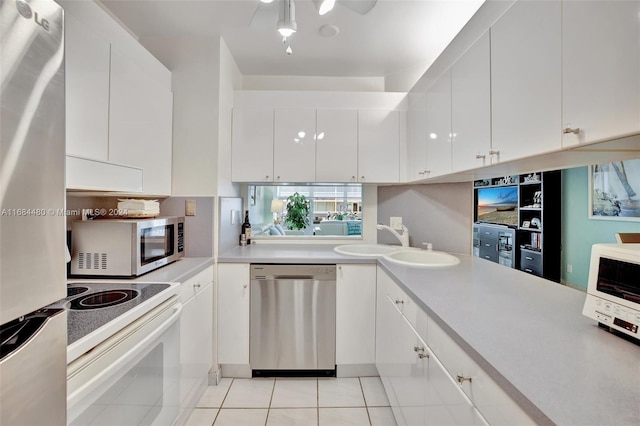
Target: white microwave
(125, 247)
(613, 288)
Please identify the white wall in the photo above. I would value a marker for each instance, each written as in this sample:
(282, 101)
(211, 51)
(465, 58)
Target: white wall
(440, 214)
(195, 67)
(307, 83)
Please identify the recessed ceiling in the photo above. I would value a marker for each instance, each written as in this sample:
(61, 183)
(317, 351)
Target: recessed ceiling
(395, 36)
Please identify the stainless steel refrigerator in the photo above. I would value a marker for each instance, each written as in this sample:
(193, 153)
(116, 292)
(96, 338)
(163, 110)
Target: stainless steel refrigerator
(32, 220)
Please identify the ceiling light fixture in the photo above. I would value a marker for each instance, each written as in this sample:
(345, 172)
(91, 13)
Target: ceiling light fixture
(287, 18)
(324, 6)
(266, 1)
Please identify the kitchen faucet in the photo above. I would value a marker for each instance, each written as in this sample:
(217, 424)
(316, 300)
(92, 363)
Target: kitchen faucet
(404, 237)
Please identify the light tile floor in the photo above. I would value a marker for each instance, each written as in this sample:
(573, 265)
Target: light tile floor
(294, 402)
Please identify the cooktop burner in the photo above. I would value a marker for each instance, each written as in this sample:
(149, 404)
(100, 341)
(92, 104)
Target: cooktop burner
(74, 291)
(91, 305)
(103, 299)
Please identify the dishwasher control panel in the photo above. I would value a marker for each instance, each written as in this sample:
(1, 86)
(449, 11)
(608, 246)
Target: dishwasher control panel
(293, 271)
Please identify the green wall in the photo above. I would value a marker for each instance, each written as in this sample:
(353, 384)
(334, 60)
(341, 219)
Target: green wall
(578, 231)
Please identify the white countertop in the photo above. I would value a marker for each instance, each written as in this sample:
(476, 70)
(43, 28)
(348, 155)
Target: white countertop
(178, 271)
(528, 333)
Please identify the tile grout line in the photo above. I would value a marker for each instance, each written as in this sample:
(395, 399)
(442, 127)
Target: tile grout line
(273, 390)
(366, 406)
(223, 400)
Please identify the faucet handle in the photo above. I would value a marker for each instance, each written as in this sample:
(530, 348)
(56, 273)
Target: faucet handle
(429, 246)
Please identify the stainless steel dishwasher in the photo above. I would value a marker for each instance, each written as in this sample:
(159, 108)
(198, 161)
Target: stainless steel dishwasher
(293, 320)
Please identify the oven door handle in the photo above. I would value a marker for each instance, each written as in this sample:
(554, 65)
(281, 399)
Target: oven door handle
(97, 380)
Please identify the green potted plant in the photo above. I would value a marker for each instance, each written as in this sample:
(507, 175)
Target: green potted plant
(297, 216)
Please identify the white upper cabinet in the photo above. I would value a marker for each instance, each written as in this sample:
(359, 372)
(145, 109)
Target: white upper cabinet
(416, 137)
(119, 107)
(252, 145)
(378, 146)
(294, 147)
(471, 107)
(299, 136)
(600, 69)
(526, 80)
(87, 57)
(439, 133)
(140, 124)
(336, 145)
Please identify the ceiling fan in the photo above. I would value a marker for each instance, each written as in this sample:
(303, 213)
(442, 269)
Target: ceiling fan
(270, 12)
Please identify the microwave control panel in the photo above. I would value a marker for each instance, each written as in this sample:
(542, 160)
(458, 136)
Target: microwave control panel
(613, 315)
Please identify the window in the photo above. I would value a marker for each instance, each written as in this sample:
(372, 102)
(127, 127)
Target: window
(334, 210)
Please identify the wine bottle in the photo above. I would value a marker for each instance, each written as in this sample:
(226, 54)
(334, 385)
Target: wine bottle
(246, 228)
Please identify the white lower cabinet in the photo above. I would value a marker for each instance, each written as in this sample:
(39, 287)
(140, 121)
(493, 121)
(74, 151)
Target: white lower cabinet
(426, 374)
(355, 314)
(196, 339)
(420, 390)
(494, 404)
(233, 313)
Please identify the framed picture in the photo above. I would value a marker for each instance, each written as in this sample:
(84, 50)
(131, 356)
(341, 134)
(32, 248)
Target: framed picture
(614, 190)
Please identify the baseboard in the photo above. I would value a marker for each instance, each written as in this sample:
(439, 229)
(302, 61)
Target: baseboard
(239, 371)
(215, 376)
(356, 370)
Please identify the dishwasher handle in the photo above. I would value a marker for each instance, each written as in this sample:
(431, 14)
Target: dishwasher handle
(292, 277)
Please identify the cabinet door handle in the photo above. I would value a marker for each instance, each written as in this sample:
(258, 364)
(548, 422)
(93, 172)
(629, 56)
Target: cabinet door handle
(528, 270)
(480, 156)
(418, 349)
(362, 177)
(197, 285)
(353, 178)
(568, 130)
(398, 302)
(422, 355)
(460, 378)
(266, 177)
(244, 286)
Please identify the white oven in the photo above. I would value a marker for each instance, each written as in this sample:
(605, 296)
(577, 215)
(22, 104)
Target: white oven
(613, 289)
(132, 377)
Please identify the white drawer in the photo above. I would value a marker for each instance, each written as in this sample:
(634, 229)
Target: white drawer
(495, 404)
(195, 284)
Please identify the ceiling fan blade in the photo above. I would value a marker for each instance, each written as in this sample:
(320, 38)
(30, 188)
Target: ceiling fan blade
(359, 6)
(265, 17)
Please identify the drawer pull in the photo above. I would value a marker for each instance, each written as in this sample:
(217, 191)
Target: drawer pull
(460, 379)
(528, 270)
(197, 286)
(398, 302)
(528, 257)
